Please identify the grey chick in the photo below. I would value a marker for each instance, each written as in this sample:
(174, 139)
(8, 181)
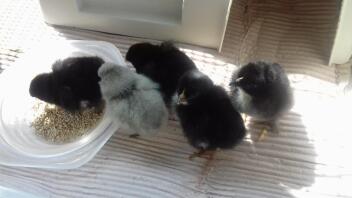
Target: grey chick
(132, 99)
(262, 90)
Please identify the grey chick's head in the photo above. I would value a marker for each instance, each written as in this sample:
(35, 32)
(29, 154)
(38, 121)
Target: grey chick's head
(115, 80)
(192, 85)
(259, 79)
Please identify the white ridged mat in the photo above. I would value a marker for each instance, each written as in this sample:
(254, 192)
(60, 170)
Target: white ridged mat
(309, 158)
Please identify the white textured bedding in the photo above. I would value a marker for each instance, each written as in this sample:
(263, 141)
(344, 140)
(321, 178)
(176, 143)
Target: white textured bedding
(309, 158)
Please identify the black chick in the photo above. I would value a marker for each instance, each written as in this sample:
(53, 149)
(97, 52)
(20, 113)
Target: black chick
(208, 118)
(73, 83)
(262, 90)
(163, 63)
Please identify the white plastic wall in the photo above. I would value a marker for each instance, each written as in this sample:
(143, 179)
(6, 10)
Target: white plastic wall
(342, 49)
(200, 22)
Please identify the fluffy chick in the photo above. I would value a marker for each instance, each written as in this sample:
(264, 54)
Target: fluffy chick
(132, 99)
(262, 90)
(73, 83)
(208, 118)
(163, 63)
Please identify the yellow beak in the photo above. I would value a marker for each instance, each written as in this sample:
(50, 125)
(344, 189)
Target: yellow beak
(182, 99)
(239, 79)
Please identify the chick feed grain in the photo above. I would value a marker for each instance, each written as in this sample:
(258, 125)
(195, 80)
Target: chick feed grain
(59, 126)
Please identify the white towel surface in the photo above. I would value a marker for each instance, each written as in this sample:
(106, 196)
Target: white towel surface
(309, 158)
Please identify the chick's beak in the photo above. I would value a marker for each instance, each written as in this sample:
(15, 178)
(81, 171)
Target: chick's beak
(182, 99)
(237, 81)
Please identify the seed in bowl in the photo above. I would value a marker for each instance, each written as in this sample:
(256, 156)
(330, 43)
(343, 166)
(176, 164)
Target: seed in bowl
(59, 126)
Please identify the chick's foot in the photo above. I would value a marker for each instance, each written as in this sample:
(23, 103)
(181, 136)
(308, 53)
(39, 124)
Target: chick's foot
(205, 154)
(272, 126)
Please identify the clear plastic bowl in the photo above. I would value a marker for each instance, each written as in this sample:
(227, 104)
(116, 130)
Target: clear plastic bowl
(19, 144)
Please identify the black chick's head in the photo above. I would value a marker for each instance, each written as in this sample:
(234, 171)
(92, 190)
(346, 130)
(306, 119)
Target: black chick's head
(257, 79)
(41, 87)
(44, 87)
(72, 82)
(141, 53)
(191, 85)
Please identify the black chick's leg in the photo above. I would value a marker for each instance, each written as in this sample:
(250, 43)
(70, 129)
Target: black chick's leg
(262, 134)
(270, 125)
(208, 155)
(208, 166)
(274, 126)
(202, 153)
